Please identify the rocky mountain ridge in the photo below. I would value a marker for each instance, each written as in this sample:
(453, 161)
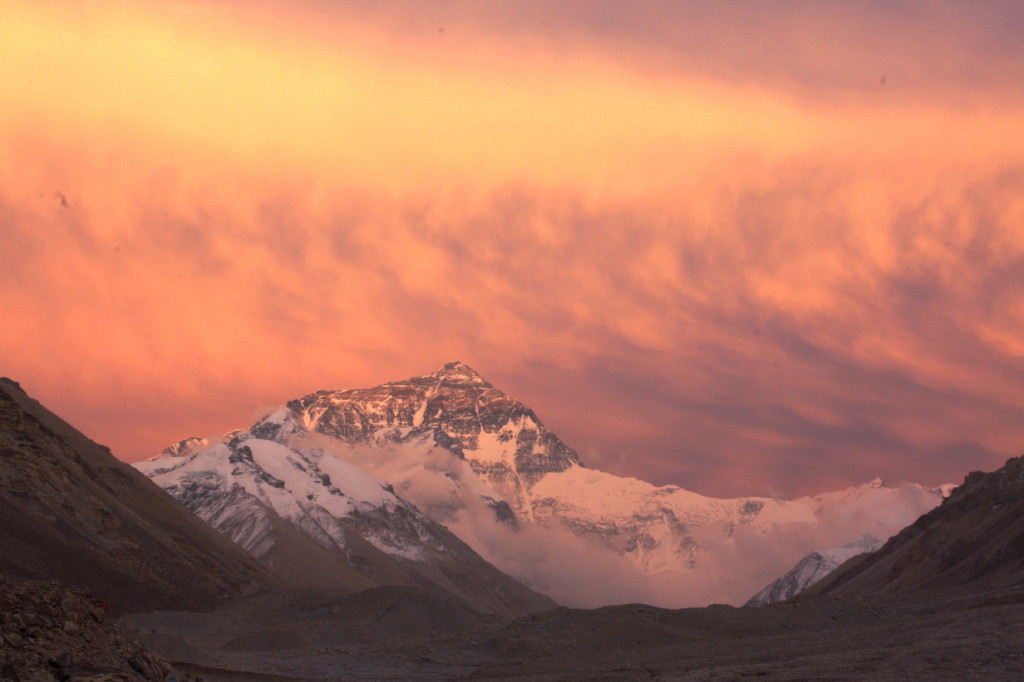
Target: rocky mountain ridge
(453, 408)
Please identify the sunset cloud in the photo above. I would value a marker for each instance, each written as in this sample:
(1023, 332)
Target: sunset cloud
(696, 274)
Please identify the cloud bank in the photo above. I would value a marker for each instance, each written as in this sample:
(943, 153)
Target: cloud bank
(581, 572)
(695, 274)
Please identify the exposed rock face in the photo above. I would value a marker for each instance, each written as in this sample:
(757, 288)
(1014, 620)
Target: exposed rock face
(315, 519)
(974, 538)
(811, 569)
(49, 632)
(453, 408)
(186, 447)
(71, 512)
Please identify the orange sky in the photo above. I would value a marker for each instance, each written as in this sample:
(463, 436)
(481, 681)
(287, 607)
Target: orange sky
(744, 250)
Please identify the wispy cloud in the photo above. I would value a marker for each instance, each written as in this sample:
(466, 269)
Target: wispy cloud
(698, 275)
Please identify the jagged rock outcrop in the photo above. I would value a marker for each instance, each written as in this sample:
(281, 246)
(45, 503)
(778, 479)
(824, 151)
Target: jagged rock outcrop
(185, 447)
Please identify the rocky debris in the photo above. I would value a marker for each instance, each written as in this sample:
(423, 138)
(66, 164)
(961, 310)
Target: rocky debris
(51, 632)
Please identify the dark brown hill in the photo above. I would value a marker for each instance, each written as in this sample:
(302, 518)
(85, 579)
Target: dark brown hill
(975, 538)
(71, 512)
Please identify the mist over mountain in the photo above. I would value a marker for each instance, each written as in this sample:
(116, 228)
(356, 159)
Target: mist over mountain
(483, 464)
(317, 520)
(973, 540)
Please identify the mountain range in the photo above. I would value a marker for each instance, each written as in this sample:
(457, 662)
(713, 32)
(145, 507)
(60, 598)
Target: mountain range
(87, 538)
(340, 466)
(811, 569)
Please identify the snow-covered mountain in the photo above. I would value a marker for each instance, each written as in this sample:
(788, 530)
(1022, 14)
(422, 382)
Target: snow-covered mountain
(455, 409)
(313, 518)
(543, 480)
(471, 457)
(811, 569)
(522, 463)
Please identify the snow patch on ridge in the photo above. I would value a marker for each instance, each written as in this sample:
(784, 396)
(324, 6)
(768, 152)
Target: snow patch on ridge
(811, 569)
(309, 487)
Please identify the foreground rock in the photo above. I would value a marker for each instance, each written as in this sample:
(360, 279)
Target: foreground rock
(49, 632)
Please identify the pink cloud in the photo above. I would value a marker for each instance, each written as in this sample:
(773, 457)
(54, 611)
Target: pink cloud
(691, 280)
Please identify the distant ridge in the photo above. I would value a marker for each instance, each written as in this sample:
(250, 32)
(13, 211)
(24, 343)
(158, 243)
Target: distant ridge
(811, 569)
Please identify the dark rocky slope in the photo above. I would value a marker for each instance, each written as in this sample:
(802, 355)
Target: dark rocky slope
(974, 539)
(70, 512)
(399, 634)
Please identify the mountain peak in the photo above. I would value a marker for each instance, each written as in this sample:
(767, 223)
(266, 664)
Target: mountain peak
(183, 448)
(460, 373)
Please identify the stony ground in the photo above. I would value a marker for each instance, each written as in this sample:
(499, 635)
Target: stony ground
(49, 632)
(402, 635)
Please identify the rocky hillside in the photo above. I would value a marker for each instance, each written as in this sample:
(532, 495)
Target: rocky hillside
(974, 538)
(70, 512)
